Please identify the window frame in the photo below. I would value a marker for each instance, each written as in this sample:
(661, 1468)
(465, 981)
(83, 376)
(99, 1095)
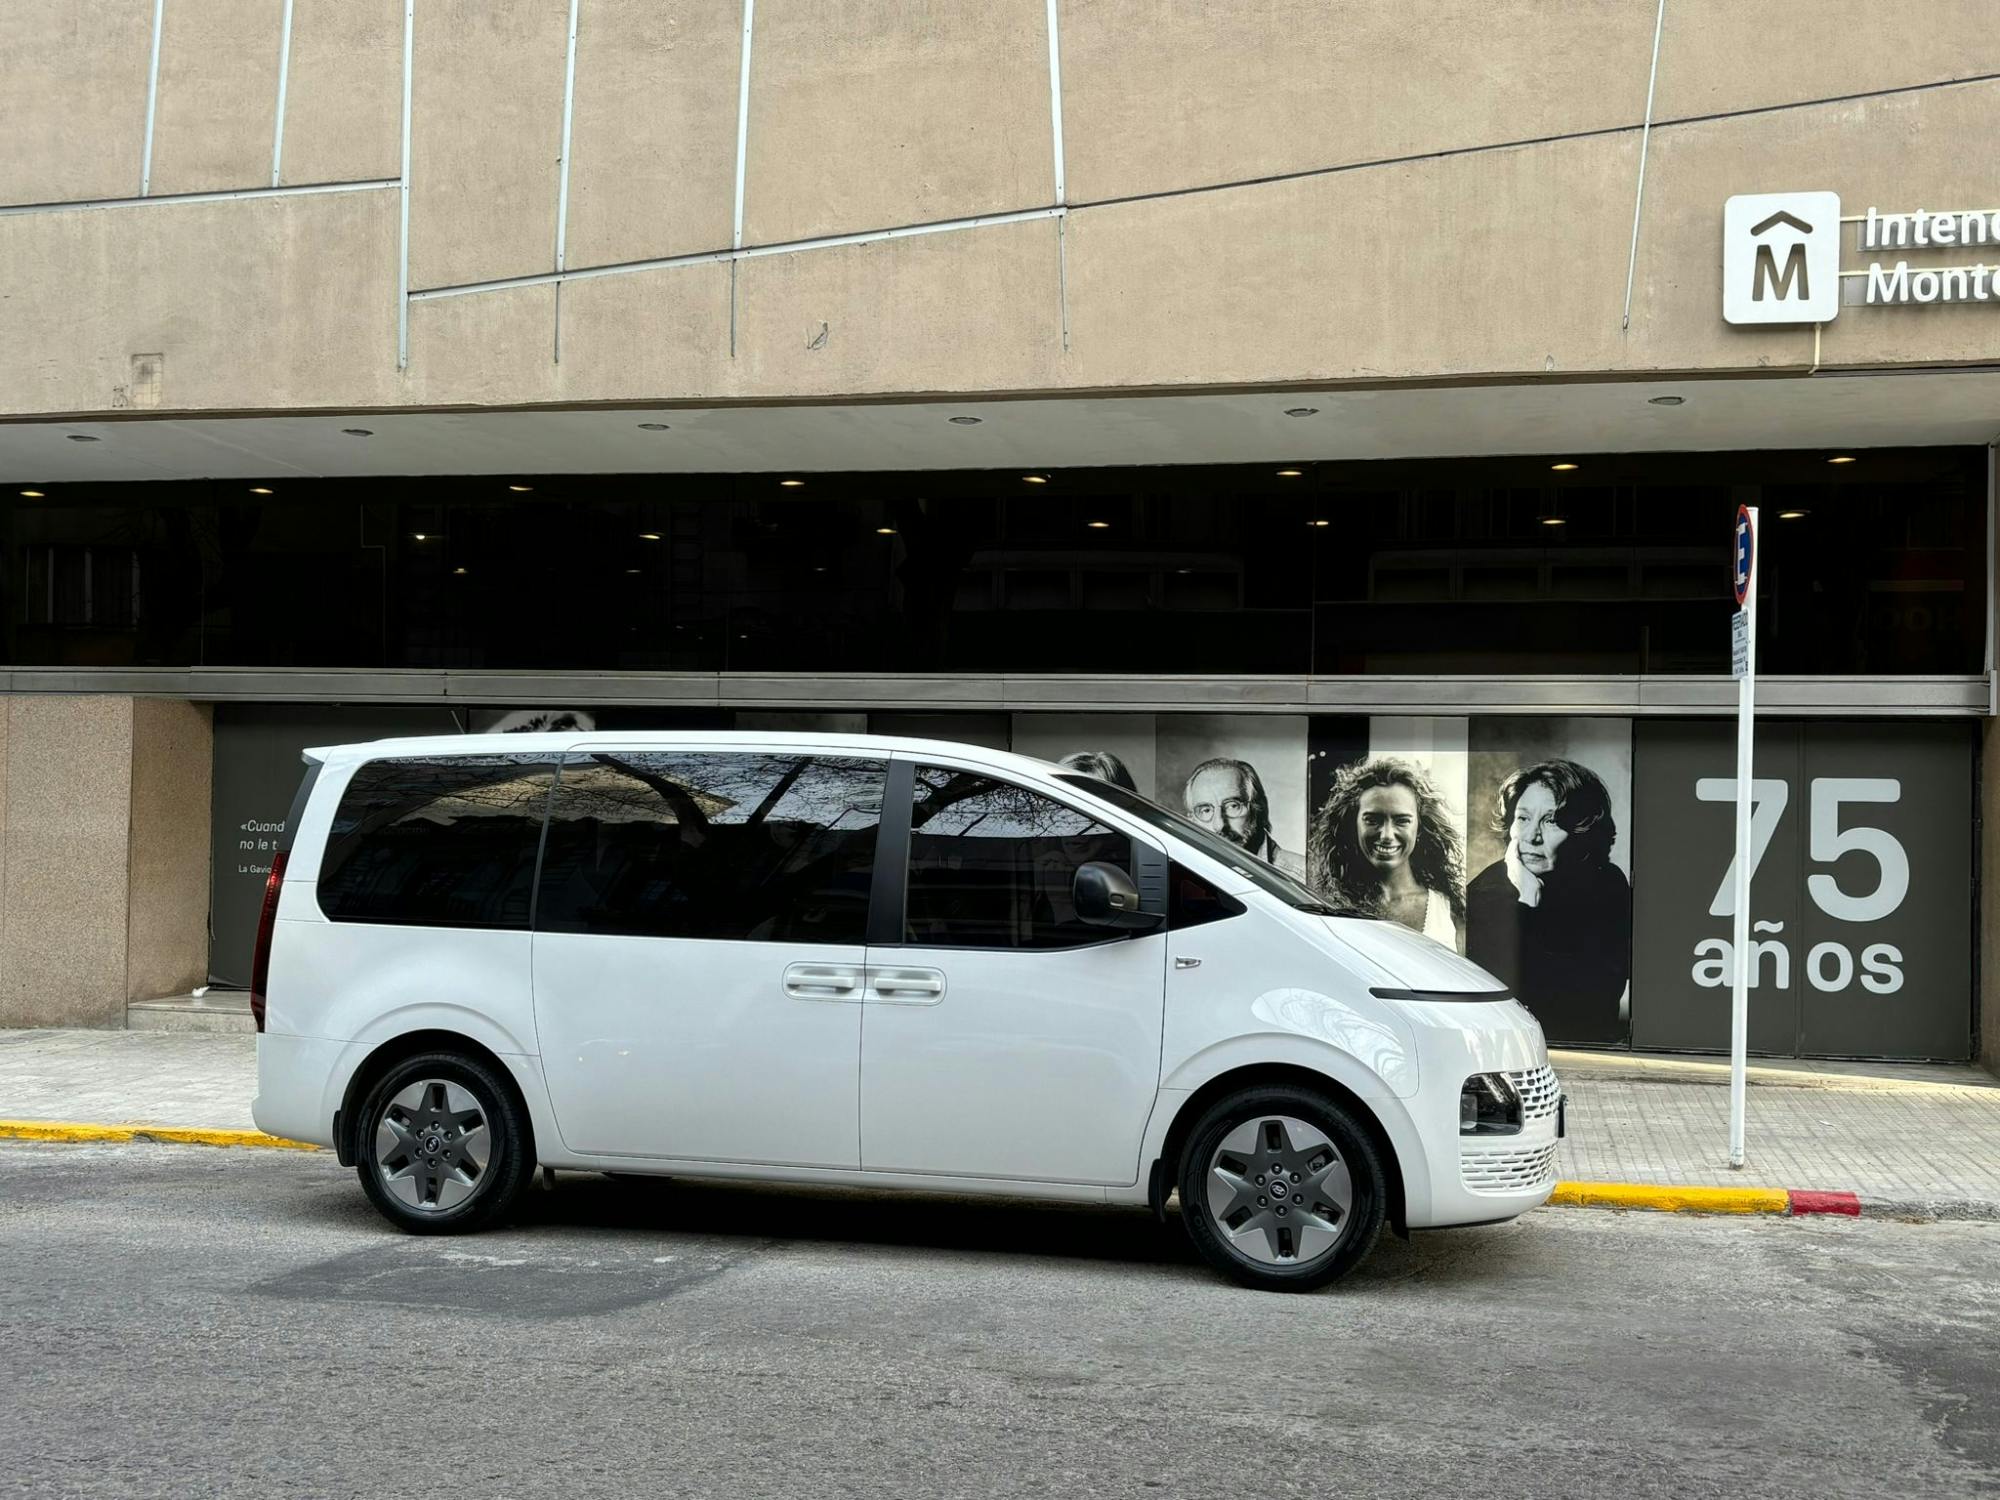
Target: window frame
(888, 910)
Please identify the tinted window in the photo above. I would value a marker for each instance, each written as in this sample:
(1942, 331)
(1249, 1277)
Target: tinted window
(991, 865)
(437, 843)
(1192, 901)
(682, 843)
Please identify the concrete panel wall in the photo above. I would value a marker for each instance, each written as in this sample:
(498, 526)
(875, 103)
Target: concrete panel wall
(1430, 269)
(285, 302)
(485, 134)
(866, 114)
(1189, 93)
(218, 95)
(63, 887)
(1718, 55)
(1414, 245)
(1896, 151)
(72, 98)
(173, 754)
(344, 99)
(653, 132)
(907, 314)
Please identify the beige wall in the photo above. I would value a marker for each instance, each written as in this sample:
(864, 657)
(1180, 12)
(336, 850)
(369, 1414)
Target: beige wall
(1259, 193)
(104, 849)
(166, 929)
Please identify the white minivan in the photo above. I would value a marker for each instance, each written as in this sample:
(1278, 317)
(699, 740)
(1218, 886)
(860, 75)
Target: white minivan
(873, 962)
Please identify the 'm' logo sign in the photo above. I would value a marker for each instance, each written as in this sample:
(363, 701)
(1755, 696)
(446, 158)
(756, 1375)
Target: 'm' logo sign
(1781, 258)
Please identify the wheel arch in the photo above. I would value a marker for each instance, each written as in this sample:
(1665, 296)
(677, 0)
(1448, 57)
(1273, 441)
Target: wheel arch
(346, 1128)
(1163, 1173)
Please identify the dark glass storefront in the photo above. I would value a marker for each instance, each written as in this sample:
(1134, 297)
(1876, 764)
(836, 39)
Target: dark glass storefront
(1500, 567)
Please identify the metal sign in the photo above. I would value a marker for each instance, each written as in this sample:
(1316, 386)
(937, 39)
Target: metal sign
(1746, 554)
(1739, 644)
(1781, 258)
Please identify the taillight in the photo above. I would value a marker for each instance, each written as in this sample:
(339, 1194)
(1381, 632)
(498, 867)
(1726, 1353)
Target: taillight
(267, 921)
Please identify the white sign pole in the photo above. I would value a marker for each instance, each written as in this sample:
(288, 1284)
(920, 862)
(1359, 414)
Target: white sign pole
(1745, 667)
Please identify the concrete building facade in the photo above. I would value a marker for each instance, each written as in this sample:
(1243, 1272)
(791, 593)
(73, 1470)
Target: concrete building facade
(308, 246)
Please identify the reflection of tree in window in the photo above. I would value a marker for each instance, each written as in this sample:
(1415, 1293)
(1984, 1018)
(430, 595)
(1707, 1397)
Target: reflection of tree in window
(993, 865)
(745, 845)
(437, 842)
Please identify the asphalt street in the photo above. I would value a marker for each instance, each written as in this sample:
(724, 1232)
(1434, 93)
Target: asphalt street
(187, 1321)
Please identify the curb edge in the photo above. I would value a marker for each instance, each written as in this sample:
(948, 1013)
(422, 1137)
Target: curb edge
(178, 1135)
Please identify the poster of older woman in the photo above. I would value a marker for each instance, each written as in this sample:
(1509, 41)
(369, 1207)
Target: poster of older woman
(1551, 911)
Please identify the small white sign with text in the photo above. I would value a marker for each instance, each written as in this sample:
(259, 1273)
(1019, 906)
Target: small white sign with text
(1781, 258)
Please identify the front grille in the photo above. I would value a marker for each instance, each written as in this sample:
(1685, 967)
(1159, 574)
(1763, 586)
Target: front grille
(1539, 1092)
(1506, 1168)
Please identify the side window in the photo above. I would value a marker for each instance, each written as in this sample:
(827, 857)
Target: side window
(991, 865)
(1192, 901)
(437, 842)
(754, 846)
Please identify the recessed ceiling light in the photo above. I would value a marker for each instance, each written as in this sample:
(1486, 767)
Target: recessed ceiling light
(819, 567)
(420, 536)
(1842, 458)
(1555, 520)
(965, 421)
(1319, 522)
(1034, 479)
(649, 536)
(1183, 570)
(1302, 411)
(359, 431)
(261, 489)
(1666, 400)
(885, 531)
(631, 570)
(1290, 473)
(1793, 515)
(458, 572)
(1562, 468)
(521, 489)
(1098, 525)
(654, 427)
(33, 494)
(791, 484)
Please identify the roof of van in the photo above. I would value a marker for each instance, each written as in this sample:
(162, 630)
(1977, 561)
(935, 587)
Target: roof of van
(680, 739)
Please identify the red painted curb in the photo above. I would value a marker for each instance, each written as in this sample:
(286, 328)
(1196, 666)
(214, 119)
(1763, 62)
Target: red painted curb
(1825, 1203)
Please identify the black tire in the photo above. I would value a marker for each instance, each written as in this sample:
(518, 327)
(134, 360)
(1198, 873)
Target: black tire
(502, 1179)
(1355, 1228)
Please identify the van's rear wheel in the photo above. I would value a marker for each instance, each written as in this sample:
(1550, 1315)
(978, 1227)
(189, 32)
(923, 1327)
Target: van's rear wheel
(444, 1147)
(1281, 1189)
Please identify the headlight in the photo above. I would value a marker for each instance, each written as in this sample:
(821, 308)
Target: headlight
(1488, 1105)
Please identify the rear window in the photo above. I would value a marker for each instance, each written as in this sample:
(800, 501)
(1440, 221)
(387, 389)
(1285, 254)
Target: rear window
(437, 842)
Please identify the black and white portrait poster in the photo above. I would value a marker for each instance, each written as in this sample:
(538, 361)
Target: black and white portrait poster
(1549, 864)
(1242, 776)
(1388, 828)
(1117, 747)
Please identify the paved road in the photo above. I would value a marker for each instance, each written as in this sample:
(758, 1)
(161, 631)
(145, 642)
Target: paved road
(178, 1321)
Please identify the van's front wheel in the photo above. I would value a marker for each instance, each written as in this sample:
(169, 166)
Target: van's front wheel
(1281, 1189)
(443, 1145)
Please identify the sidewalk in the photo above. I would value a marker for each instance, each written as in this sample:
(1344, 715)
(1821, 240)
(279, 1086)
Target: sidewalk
(1918, 1140)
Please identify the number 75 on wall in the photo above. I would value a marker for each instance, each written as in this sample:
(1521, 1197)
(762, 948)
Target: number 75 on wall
(1828, 842)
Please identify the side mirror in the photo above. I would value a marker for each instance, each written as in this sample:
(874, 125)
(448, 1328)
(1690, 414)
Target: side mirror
(1106, 897)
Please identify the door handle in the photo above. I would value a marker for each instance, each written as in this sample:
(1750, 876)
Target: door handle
(899, 986)
(1187, 963)
(823, 981)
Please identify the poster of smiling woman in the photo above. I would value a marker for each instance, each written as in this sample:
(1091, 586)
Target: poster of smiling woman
(1388, 826)
(1549, 903)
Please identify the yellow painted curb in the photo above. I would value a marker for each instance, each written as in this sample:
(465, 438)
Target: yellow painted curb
(1691, 1200)
(63, 1130)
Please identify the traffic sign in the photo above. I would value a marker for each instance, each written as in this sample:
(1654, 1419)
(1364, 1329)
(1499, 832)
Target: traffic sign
(1739, 644)
(1746, 551)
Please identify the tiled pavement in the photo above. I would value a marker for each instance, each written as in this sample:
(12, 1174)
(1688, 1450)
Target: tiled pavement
(1895, 1135)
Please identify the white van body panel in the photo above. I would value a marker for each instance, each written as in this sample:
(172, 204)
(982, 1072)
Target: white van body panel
(1053, 1074)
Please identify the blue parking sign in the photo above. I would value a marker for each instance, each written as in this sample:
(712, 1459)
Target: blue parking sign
(1746, 549)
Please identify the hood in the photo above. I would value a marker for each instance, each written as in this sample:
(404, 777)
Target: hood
(1408, 960)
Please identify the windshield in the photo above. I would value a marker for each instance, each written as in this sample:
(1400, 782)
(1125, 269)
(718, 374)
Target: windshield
(1267, 878)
